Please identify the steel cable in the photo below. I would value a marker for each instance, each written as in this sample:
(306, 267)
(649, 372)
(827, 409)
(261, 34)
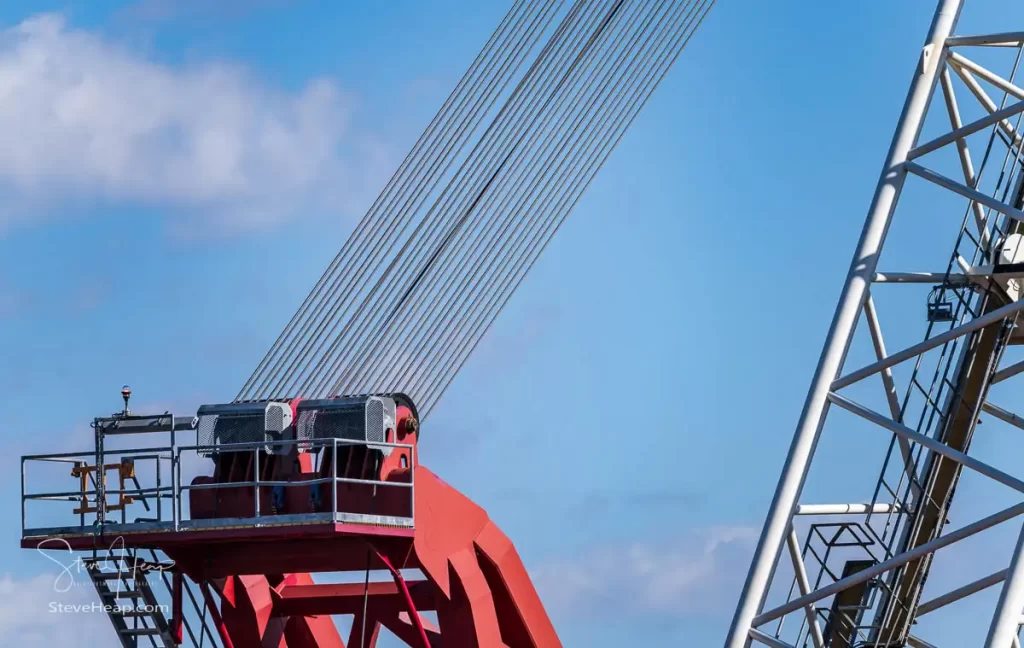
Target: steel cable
(412, 292)
(362, 227)
(474, 198)
(474, 174)
(340, 310)
(451, 369)
(555, 177)
(532, 172)
(461, 103)
(451, 144)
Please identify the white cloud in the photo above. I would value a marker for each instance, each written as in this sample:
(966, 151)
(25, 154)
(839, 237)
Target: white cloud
(157, 10)
(83, 118)
(693, 575)
(33, 614)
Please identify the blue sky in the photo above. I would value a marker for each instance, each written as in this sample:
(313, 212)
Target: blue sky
(633, 404)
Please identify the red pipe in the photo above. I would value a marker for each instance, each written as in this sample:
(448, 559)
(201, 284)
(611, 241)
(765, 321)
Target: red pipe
(215, 614)
(176, 613)
(414, 616)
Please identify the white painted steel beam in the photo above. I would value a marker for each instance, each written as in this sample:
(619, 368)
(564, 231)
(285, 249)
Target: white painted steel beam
(844, 322)
(1008, 372)
(1003, 415)
(961, 592)
(1007, 39)
(843, 509)
(966, 164)
(930, 343)
(768, 640)
(963, 190)
(804, 585)
(962, 132)
(920, 277)
(1006, 620)
(901, 559)
(986, 101)
(961, 61)
(938, 447)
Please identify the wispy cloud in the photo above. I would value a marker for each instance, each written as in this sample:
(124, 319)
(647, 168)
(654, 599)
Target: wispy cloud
(694, 574)
(84, 118)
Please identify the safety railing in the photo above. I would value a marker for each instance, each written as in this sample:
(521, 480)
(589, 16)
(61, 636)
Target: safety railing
(167, 466)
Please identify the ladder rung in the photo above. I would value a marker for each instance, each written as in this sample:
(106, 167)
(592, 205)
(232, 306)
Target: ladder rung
(142, 613)
(108, 575)
(141, 631)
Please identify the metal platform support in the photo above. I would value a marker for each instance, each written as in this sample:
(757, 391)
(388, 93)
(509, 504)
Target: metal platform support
(971, 319)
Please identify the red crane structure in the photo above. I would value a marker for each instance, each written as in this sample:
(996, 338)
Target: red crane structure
(268, 517)
(314, 467)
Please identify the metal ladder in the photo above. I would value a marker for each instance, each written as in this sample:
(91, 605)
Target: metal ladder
(129, 601)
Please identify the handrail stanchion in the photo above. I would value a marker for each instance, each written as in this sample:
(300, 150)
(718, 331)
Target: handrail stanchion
(101, 476)
(81, 516)
(256, 481)
(334, 480)
(176, 484)
(159, 491)
(23, 496)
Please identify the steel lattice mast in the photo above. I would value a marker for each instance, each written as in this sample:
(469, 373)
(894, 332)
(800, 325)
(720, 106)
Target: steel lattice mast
(868, 587)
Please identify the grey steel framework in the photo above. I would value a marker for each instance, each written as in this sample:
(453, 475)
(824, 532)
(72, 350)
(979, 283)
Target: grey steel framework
(859, 578)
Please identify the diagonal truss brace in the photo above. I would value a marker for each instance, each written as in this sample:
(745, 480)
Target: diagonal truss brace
(892, 563)
(930, 343)
(932, 71)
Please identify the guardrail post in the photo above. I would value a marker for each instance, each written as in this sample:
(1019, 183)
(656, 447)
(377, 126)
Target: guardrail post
(23, 496)
(101, 475)
(175, 481)
(334, 480)
(159, 491)
(256, 474)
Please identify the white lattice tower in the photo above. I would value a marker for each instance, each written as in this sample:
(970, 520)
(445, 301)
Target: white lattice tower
(857, 573)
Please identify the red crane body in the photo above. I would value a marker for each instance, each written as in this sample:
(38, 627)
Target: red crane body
(472, 577)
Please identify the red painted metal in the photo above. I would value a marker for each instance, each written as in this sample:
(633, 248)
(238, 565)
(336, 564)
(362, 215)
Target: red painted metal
(176, 613)
(473, 579)
(218, 622)
(409, 604)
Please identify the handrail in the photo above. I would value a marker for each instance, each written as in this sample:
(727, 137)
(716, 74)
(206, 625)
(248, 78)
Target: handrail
(176, 490)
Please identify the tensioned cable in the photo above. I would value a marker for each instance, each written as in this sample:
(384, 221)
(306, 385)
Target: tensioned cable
(474, 173)
(467, 119)
(498, 158)
(638, 66)
(448, 373)
(500, 231)
(457, 361)
(362, 227)
(518, 178)
(340, 309)
(414, 327)
(439, 143)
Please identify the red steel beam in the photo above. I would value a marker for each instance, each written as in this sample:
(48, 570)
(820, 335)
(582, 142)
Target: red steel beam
(347, 598)
(211, 605)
